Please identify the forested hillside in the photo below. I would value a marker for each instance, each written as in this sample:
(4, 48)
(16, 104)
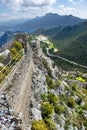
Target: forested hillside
(71, 41)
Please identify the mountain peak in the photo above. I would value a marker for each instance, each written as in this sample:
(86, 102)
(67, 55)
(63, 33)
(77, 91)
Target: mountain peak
(49, 20)
(51, 14)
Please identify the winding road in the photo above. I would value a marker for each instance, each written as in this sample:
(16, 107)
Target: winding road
(71, 62)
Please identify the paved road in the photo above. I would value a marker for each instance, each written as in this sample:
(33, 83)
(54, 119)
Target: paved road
(71, 62)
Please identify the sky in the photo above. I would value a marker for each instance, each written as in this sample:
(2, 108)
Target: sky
(16, 9)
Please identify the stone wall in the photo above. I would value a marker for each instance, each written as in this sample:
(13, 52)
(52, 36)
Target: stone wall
(17, 88)
(4, 85)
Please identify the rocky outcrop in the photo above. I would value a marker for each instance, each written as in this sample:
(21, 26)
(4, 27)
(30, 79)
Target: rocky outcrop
(63, 90)
(39, 87)
(7, 121)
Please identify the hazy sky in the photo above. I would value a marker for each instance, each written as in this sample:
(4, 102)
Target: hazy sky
(15, 9)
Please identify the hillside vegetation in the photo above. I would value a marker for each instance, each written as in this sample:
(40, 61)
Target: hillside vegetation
(71, 42)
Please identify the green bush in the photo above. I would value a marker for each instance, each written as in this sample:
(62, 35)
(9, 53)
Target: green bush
(44, 97)
(74, 86)
(4, 73)
(50, 125)
(13, 51)
(6, 70)
(58, 82)
(39, 125)
(1, 68)
(17, 45)
(53, 99)
(59, 109)
(70, 102)
(16, 55)
(85, 123)
(50, 83)
(79, 110)
(84, 91)
(48, 80)
(80, 79)
(46, 110)
(44, 61)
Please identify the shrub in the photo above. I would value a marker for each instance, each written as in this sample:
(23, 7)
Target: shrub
(15, 55)
(71, 102)
(58, 82)
(46, 110)
(80, 79)
(44, 97)
(49, 123)
(48, 79)
(1, 68)
(6, 70)
(85, 123)
(59, 109)
(74, 87)
(50, 82)
(4, 73)
(84, 91)
(44, 61)
(53, 99)
(13, 51)
(17, 45)
(38, 125)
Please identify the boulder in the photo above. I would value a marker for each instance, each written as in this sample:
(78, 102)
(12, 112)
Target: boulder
(36, 114)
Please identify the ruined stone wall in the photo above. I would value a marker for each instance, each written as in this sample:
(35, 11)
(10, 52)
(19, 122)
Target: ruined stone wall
(17, 87)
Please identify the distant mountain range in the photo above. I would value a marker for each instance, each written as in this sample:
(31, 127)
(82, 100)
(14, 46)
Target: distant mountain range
(48, 21)
(12, 24)
(51, 20)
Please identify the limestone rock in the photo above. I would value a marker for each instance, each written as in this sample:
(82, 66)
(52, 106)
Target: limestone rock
(36, 114)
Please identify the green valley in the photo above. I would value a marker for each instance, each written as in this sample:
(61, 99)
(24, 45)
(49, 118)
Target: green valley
(71, 42)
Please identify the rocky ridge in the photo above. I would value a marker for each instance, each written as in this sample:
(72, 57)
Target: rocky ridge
(71, 114)
(38, 84)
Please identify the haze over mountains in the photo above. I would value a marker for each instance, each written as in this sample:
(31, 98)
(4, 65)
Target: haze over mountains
(11, 25)
(48, 21)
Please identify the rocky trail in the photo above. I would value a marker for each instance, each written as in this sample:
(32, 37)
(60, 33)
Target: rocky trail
(7, 120)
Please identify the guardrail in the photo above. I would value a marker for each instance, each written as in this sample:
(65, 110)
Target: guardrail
(66, 60)
(12, 68)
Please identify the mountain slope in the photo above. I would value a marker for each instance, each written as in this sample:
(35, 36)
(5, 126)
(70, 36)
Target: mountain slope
(71, 42)
(7, 36)
(51, 20)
